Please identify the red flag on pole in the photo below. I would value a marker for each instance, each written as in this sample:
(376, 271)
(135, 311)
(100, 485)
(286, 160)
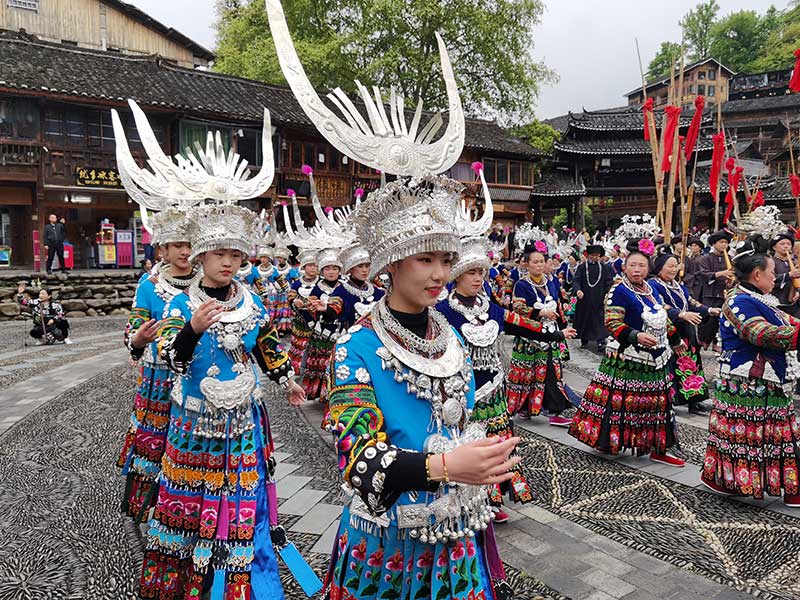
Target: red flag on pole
(694, 128)
(673, 115)
(717, 156)
(794, 82)
(647, 113)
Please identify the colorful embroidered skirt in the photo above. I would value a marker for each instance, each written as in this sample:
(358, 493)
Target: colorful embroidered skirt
(689, 380)
(365, 566)
(301, 333)
(753, 439)
(493, 413)
(283, 313)
(534, 379)
(317, 357)
(627, 405)
(199, 534)
(143, 447)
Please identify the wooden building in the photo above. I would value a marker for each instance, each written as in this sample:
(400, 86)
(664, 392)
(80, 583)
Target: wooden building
(709, 78)
(603, 161)
(57, 143)
(109, 25)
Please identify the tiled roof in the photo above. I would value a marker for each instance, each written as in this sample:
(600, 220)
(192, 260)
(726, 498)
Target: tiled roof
(627, 119)
(786, 101)
(504, 194)
(618, 145)
(35, 67)
(765, 182)
(666, 80)
(557, 183)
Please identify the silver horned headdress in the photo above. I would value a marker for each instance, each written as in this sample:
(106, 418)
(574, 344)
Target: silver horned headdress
(475, 246)
(386, 143)
(208, 182)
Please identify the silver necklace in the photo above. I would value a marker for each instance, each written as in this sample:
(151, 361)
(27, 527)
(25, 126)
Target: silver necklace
(480, 310)
(599, 274)
(198, 295)
(673, 286)
(767, 299)
(436, 345)
(367, 294)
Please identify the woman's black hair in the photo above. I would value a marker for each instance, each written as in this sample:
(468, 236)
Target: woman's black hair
(751, 255)
(634, 253)
(531, 249)
(44, 289)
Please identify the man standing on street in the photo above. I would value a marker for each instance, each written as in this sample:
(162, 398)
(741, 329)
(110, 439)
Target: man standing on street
(592, 281)
(54, 234)
(717, 276)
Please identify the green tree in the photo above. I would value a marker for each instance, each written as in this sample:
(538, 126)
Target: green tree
(538, 134)
(697, 24)
(738, 39)
(783, 39)
(392, 43)
(668, 54)
(561, 218)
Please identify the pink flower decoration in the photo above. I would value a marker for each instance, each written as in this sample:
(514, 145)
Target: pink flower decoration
(395, 563)
(477, 167)
(376, 558)
(360, 551)
(359, 192)
(694, 383)
(283, 203)
(306, 170)
(328, 210)
(291, 193)
(458, 552)
(686, 363)
(425, 561)
(647, 247)
(540, 246)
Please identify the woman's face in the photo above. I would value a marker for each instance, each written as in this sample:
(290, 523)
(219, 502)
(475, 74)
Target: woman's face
(764, 280)
(783, 247)
(470, 282)
(418, 280)
(330, 273)
(360, 272)
(265, 261)
(536, 264)
(311, 270)
(43, 296)
(636, 268)
(669, 270)
(177, 255)
(220, 266)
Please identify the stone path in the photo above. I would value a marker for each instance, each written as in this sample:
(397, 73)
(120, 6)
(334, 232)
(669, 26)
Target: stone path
(61, 535)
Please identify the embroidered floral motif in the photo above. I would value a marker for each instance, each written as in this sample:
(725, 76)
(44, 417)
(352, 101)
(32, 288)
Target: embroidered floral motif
(341, 353)
(342, 372)
(362, 375)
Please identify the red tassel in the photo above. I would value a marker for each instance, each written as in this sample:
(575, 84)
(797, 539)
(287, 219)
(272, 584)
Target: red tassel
(668, 135)
(717, 156)
(734, 177)
(794, 181)
(794, 82)
(694, 127)
(757, 200)
(647, 113)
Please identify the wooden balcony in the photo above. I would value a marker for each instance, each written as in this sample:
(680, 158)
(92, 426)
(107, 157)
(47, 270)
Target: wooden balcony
(19, 153)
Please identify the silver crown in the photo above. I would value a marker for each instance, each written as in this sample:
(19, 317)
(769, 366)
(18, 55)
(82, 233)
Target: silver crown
(474, 254)
(474, 251)
(352, 256)
(222, 226)
(407, 217)
(265, 251)
(306, 257)
(763, 220)
(328, 257)
(167, 226)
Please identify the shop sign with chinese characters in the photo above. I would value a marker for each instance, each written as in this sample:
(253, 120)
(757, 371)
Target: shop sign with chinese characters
(97, 177)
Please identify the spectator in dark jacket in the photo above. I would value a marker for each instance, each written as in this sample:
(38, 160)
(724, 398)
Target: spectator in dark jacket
(54, 233)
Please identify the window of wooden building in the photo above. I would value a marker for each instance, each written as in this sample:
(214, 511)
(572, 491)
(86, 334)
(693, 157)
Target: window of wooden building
(19, 119)
(193, 131)
(76, 127)
(508, 172)
(320, 157)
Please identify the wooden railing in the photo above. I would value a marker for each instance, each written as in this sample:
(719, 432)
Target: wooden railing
(19, 154)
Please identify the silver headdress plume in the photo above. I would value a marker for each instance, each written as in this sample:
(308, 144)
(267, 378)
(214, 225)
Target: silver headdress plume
(764, 220)
(404, 217)
(475, 246)
(386, 143)
(210, 181)
(527, 234)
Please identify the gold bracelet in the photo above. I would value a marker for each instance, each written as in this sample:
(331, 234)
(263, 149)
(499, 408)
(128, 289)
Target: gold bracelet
(444, 468)
(428, 467)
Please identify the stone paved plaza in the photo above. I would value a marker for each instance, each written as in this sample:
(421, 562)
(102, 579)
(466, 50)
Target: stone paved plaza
(599, 527)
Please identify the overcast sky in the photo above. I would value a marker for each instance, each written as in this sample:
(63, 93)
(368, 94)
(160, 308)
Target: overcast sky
(590, 44)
